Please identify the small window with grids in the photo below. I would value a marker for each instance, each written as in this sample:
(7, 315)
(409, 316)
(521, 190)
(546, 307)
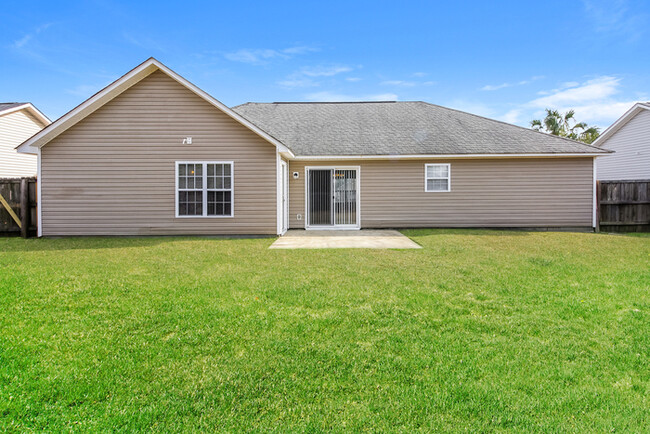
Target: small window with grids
(204, 189)
(437, 177)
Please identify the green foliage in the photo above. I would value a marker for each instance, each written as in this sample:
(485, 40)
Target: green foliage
(565, 125)
(478, 331)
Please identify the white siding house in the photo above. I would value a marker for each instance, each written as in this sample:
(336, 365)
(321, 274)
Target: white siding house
(18, 122)
(629, 137)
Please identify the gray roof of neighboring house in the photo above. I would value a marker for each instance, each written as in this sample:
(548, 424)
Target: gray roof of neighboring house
(397, 128)
(9, 105)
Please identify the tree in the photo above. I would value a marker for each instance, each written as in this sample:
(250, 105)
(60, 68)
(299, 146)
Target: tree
(565, 126)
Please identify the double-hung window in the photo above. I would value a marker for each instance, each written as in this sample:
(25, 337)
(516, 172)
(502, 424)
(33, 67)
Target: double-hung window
(437, 177)
(204, 189)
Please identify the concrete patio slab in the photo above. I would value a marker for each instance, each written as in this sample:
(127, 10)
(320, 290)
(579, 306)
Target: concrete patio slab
(363, 239)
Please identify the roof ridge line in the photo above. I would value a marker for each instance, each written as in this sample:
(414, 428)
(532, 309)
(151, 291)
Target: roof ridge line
(328, 102)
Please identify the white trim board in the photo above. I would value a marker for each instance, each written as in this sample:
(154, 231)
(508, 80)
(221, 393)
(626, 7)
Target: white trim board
(594, 217)
(280, 218)
(120, 85)
(282, 213)
(39, 196)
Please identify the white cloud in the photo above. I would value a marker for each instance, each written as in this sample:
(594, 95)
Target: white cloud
(259, 56)
(490, 87)
(495, 86)
(594, 101)
(568, 84)
(473, 107)
(592, 90)
(601, 114)
(512, 116)
(22, 42)
(353, 79)
(406, 83)
(83, 90)
(327, 96)
(298, 50)
(324, 71)
(398, 83)
(143, 42)
(252, 56)
(297, 82)
(616, 17)
(598, 101)
(419, 74)
(305, 76)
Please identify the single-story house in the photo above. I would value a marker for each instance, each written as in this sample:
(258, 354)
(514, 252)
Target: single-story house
(153, 154)
(18, 122)
(629, 137)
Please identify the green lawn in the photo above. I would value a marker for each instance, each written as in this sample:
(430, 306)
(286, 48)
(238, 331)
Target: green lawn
(479, 331)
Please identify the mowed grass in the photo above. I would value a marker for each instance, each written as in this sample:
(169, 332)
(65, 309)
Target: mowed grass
(478, 331)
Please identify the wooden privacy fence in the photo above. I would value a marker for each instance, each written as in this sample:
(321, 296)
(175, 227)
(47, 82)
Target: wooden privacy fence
(18, 213)
(624, 206)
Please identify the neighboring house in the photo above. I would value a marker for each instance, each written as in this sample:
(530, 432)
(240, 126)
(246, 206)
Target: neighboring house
(629, 138)
(153, 154)
(18, 122)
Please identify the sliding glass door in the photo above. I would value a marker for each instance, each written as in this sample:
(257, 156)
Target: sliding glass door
(332, 198)
(345, 197)
(320, 197)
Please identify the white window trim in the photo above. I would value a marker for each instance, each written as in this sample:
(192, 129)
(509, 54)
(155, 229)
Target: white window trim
(448, 178)
(205, 189)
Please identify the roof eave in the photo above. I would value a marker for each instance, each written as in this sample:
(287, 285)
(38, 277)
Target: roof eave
(449, 156)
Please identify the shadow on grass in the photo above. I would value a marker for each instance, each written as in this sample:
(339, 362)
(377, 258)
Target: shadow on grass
(471, 232)
(628, 234)
(494, 232)
(14, 244)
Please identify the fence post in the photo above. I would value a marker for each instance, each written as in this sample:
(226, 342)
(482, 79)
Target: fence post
(24, 207)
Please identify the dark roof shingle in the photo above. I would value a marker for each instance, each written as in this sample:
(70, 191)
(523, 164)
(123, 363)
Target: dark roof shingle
(9, 105)
(397, 128)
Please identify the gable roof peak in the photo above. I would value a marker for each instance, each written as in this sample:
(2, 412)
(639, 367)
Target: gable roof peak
(10, 107)
(120, 85)
(637, 108)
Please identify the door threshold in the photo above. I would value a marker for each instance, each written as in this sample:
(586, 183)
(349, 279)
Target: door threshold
(331, 228)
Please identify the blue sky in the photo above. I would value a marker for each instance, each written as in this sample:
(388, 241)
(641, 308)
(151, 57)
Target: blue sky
(507, 60)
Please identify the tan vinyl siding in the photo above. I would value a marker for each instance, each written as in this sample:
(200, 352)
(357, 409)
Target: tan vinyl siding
(113, 173)
(15, 128)
(632, 146)
(552, 192)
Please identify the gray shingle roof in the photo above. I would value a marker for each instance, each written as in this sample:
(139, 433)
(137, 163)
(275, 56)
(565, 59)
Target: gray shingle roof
(397, 128)
(9, 105)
